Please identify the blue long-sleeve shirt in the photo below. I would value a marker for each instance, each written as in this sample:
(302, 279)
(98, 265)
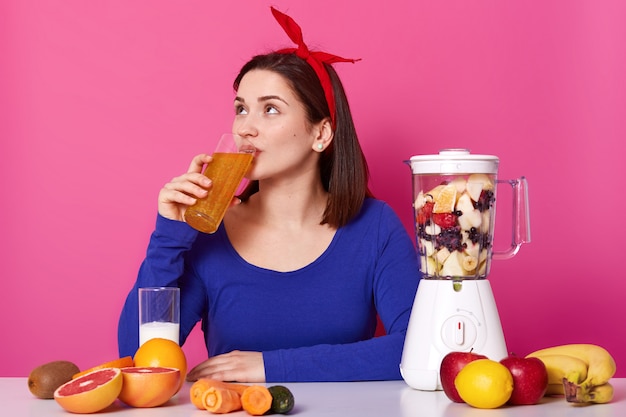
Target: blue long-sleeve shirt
(316, 323)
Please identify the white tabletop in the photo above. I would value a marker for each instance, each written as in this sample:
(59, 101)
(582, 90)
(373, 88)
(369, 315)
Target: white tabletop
(347, 399)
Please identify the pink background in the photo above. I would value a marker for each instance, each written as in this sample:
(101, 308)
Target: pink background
(101, 103)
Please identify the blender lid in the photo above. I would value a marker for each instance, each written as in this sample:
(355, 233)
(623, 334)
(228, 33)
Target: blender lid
(454, 161)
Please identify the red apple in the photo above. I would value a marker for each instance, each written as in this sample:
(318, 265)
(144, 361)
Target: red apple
(530, 379)
(451, 365)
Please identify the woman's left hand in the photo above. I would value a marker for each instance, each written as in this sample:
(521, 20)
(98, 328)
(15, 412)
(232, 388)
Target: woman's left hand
(233, 366)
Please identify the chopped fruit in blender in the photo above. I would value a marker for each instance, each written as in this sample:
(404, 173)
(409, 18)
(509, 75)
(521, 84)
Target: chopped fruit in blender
(432, 229)
(485, 201)
(430, 265)
(469, 219)
(420, 200)
(451, 239)
(453, 223)
(445, 220)
(474, 189)
(471, 248)
(482, 270)
(452, 266)
(445, 200)
(482, 179)
(430, 196)
(481, 239)
(424, 213)
(427, 247)
(460, 184)
(465, 203)
(442, 254)
(486, 224)
(469, 263)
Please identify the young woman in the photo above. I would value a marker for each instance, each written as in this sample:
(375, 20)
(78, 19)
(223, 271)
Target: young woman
(290, 286)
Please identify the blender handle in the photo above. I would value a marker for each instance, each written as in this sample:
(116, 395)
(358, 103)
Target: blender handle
(521, 218)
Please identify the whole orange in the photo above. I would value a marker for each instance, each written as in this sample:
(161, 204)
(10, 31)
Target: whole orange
(162, 353)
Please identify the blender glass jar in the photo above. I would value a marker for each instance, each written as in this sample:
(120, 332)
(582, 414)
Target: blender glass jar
(454, 195)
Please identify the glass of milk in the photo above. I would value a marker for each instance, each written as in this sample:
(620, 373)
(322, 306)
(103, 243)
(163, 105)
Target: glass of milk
(159, 313)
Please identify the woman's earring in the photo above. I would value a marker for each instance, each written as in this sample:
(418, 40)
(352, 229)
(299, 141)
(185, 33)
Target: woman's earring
(320, 146)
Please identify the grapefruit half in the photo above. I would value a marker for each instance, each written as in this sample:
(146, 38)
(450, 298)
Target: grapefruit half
(149, 386)
(90, 393)
(162, 353)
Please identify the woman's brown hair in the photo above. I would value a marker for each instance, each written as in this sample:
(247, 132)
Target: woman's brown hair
(343, 168)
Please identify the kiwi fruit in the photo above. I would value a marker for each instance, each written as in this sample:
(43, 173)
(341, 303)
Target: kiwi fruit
(46, 378)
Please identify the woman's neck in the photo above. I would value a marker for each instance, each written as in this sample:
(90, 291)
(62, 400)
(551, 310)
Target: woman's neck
(295, 204)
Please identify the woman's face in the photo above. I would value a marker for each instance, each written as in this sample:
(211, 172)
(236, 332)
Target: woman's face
(269, 116)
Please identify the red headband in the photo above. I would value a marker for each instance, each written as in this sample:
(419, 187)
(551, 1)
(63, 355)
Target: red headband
(316, 59)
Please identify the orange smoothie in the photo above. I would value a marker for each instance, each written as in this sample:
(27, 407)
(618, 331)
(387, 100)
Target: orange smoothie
(226, 170)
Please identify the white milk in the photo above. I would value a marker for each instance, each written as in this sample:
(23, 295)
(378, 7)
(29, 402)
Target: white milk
(161, 329)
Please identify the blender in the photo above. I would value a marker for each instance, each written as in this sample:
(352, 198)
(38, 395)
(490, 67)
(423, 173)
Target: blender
(454, 196)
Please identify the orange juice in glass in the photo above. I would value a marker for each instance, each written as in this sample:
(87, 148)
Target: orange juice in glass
(226, 171)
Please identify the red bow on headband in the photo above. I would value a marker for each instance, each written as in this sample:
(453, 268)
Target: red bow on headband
(316, 59)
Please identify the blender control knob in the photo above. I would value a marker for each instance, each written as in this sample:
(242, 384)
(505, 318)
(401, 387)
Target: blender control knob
(458, 332)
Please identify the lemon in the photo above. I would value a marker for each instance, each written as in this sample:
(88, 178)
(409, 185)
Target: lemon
(484, 383)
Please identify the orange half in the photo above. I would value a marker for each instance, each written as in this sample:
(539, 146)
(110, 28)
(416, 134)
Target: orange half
(445, 200)
(124, 362)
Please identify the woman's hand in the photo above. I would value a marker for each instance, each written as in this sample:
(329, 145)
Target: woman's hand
(182, 191)
(233, 366)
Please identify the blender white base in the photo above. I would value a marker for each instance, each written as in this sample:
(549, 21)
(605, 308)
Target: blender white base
(445, 319)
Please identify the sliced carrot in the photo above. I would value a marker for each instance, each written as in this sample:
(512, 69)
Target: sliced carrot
(195, 392)
(221, 400)
(256, 400)
(240, 388)
(201, 385)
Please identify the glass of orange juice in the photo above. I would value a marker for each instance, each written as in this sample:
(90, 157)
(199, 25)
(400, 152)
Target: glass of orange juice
(226, 171)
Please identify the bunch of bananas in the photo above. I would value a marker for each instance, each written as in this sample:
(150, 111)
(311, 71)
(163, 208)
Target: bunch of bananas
(581, 372)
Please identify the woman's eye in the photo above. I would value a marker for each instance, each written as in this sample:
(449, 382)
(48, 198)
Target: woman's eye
(240, 110)
(271, 110)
